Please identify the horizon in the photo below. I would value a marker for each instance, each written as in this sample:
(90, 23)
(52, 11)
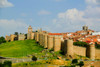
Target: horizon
(50, 15)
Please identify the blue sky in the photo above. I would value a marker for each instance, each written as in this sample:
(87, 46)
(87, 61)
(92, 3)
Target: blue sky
(50, 15)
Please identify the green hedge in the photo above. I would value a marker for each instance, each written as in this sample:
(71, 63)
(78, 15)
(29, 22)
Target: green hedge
(6, 64)
(97, 46)
(79, 43)
(2, 40)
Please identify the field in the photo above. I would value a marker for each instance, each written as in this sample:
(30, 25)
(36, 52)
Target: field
(18, 49)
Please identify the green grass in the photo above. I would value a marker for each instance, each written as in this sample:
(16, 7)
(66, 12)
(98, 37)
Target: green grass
(19, 48)
(29, 64)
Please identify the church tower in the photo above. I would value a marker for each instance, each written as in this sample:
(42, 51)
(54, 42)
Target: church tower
(85, 28)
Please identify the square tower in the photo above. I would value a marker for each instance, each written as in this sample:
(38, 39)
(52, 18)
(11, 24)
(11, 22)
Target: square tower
(30, 29)
(30, 32)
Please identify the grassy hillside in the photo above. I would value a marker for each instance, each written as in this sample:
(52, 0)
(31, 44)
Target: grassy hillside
(19, 48)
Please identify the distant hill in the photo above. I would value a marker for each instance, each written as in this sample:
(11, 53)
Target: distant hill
(19, 49)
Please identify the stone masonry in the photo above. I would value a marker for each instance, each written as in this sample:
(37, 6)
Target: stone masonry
(21, 37)
(57, 43)
(50, 41)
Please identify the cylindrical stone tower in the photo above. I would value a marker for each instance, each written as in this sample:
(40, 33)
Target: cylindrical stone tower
(50, 41)
(37, 37)
(45, 40)
(57, 43)
(62, 45)
(91, 51)
(68, 48)
(42, 39)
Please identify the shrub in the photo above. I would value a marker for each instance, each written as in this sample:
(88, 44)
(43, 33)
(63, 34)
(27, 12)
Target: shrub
(81, 63)
(79, 43)
(1, 65)
(7, 64)
(50, 50)
(97, 46)
(74, 61)
(25, 64)
(2, 40)
(34, 58)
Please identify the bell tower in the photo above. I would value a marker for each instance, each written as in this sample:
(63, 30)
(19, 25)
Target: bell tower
(85, 28)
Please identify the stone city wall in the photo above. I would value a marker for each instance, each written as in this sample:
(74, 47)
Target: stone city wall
(79, 50)
(57, 44)
(21, 37)
(97, 53)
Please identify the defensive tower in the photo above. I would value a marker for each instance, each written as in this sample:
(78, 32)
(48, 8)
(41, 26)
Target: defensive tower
(69, 48)
(50, 41)
(57, 43)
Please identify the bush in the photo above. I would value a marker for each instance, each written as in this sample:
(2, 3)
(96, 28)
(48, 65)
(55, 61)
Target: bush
(2, 40)
(34, 58)
(7, 64)
(81, 63)
(25, 64)
(1, 65)
(51, 50)
(97, 46)
(79, 43)
(74, 61)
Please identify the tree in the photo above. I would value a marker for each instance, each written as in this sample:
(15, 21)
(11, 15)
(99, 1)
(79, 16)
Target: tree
(26, 36)
(16, 33)
(74, 61)
(2, 40)
(81, 63)
(97, 45)
(34, 58)
(79, 43)
(36, 31)
(7, 64)
(1, 65)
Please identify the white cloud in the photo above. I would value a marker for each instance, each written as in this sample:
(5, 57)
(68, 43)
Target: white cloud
(92, 12)
(71, 14)
(93, 2)
(44, 12)
(69, 21)
(5, 3)
(11, 26)
(74, 19)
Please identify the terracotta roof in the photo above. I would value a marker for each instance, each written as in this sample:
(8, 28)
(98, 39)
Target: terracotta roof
(55, 34)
